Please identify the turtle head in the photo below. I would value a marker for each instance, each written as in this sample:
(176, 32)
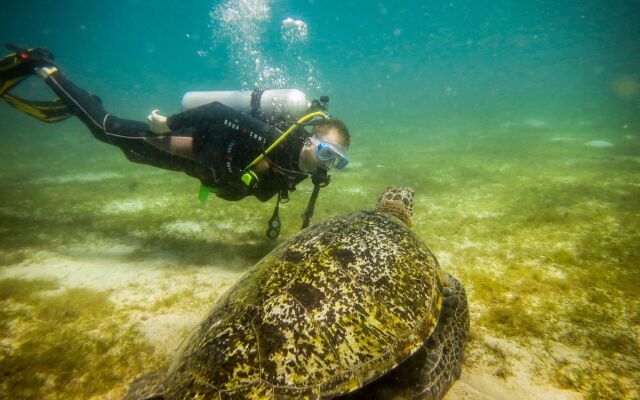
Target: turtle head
(397, 201)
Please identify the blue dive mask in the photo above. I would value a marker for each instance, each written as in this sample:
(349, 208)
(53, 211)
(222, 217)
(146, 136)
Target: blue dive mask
(331, 155)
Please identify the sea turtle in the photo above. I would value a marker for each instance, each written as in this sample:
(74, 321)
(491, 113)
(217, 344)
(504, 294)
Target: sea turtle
(355, 307)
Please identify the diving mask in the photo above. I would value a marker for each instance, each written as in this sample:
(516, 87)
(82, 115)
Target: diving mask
(330, 154)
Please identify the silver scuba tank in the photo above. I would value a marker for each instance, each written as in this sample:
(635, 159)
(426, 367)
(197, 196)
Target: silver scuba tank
(267, 105)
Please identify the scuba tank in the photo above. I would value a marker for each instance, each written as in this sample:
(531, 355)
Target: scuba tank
(266, 105)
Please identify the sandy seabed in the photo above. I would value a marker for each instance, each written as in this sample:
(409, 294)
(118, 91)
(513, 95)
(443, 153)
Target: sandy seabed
(104, 273)
(145, 285)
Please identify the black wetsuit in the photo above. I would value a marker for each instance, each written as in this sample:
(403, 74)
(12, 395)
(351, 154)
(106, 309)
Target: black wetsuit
(225, 141)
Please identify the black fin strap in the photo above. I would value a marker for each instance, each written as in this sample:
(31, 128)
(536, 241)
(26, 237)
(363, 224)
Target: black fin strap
(273, 230)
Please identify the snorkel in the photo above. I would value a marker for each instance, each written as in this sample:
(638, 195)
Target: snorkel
(292, 128)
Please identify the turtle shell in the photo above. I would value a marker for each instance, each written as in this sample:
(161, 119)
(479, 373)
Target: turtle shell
(326, 312)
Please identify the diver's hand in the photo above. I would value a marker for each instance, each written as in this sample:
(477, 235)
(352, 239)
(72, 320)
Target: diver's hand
(158, 123)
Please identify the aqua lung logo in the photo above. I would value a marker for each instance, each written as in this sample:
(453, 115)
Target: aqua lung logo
(232, 124)
(236, 126)
(257, 137)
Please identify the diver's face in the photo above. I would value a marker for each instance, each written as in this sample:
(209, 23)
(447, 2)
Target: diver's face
(309, 161)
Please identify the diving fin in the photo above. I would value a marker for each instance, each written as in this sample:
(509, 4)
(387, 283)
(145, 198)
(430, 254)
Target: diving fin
(13, 70)
(18, 66)
(46, 111)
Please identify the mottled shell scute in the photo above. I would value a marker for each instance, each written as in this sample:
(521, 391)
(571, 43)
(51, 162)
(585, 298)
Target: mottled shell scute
(328, 311)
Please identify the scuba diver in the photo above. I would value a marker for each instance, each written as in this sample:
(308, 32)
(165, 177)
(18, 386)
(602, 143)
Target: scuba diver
(237, 149)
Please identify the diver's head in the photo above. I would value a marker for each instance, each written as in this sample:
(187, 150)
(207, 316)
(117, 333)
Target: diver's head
(326, 147)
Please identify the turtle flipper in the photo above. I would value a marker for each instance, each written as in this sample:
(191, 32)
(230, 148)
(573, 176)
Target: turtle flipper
(443, 352)
(147, 387)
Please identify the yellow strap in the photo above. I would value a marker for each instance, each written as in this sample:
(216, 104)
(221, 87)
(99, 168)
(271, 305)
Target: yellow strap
(38, 111)
(12, 64)
(285, 134)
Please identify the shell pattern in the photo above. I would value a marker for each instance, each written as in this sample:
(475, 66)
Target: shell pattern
(328, 311)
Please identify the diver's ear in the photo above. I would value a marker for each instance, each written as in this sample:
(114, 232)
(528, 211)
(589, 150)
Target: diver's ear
(307, 142)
